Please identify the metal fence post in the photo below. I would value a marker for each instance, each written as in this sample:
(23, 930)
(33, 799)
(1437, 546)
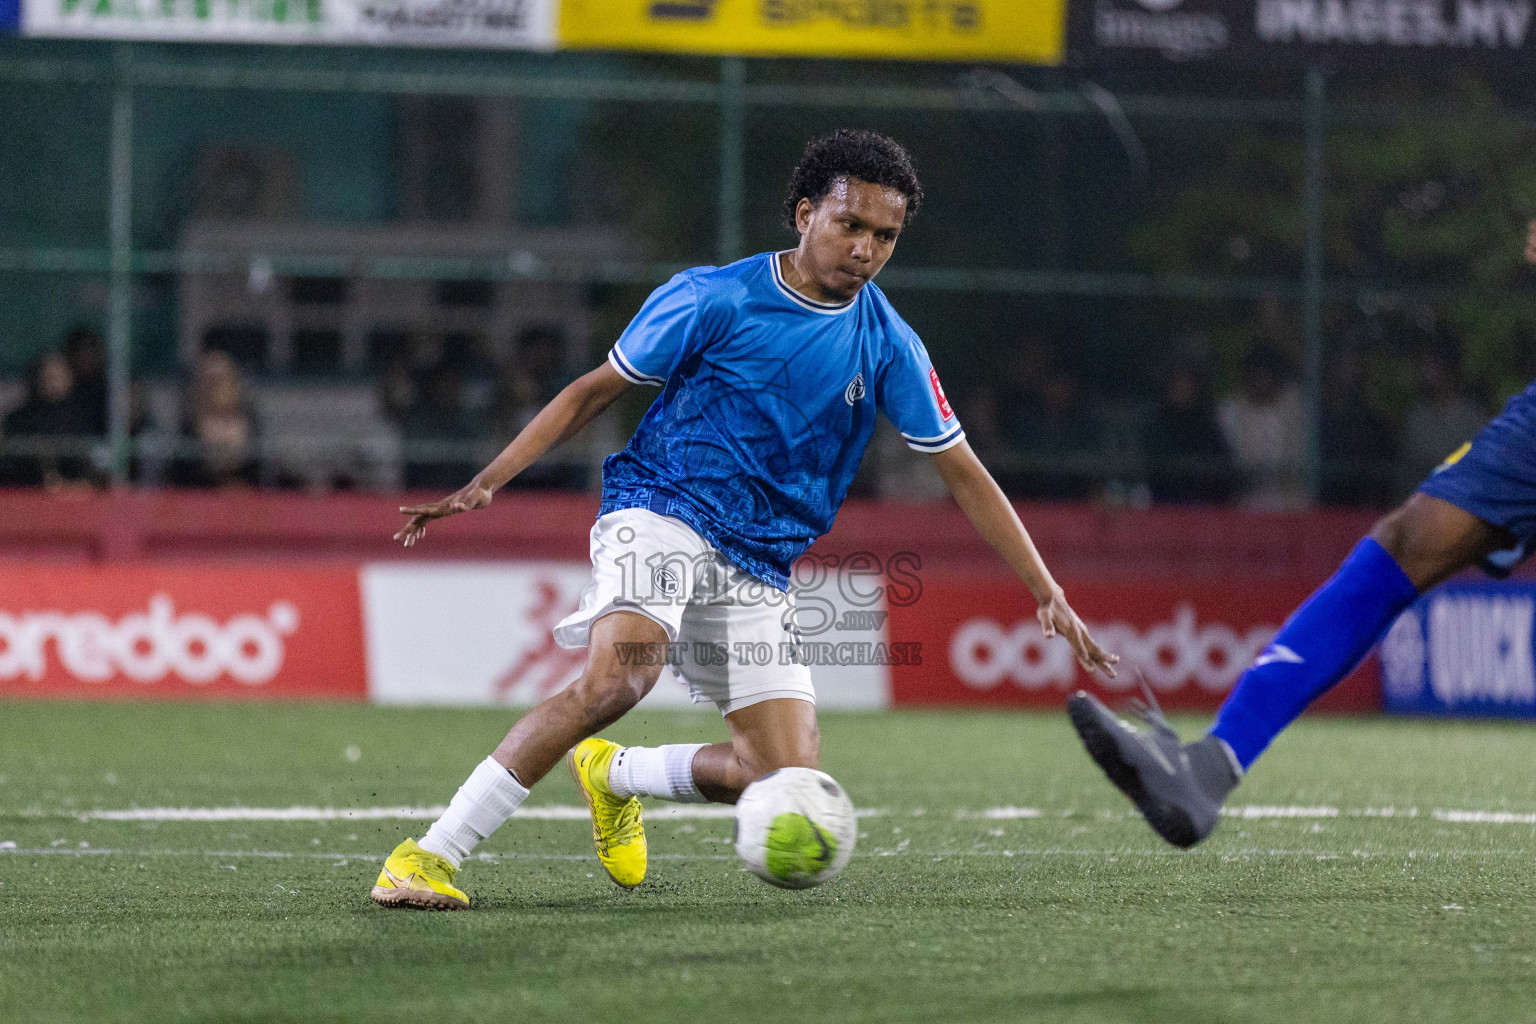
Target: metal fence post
(120, 301)
(733, 116)
(1312, 277)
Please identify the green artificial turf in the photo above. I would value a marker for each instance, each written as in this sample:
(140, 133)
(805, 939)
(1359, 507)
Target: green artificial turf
(944, 915)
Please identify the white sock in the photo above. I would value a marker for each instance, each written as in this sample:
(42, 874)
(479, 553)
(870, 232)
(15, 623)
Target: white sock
(665, 773)
(487, 798)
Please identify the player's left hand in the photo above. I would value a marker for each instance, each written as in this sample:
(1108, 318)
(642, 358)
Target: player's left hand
(1530, 242)
(1056, 616)
(466, 499)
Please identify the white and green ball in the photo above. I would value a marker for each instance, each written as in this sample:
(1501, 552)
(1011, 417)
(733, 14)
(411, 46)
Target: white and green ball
(795, 828)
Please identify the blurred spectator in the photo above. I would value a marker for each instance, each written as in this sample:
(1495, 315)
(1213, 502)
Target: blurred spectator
(397, 388)
(47, 435)
(1186, 455)
(439, 432)
(534, 376)
(1059, 441)
(1356, 441)
(1265, 427)
(87, 358)
(531, 379)
(1023, 380)
(1442, 418)
(984, 424)
(219, 426)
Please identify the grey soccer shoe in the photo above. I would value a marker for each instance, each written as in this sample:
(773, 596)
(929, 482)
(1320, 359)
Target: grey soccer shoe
(1178, 788)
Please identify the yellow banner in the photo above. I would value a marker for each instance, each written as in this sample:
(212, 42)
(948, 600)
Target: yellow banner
(1005, 30)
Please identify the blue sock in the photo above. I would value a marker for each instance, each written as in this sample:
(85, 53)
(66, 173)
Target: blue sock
(1319, 645)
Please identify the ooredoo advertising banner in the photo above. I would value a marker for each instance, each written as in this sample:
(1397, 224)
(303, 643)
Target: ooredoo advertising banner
(501, 24)
(480, 634)
(180, 632)
(1191, 640)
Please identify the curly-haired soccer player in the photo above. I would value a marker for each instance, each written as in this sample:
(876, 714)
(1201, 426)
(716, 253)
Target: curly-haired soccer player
(771, 371)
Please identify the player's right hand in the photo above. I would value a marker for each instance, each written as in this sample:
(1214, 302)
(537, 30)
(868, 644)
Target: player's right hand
(1530, 242)
(1057, 617)
(471, 496)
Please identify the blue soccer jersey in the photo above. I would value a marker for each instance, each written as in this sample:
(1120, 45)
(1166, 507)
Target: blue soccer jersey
(768, 401)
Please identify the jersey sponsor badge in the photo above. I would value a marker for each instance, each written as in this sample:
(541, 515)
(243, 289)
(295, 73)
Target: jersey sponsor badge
(938, 394)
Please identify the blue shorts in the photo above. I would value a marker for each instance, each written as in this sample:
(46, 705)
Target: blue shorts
(1494, 478)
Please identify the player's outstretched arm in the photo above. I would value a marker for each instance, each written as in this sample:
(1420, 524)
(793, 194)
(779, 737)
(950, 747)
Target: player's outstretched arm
(983, 502)
(578, 404)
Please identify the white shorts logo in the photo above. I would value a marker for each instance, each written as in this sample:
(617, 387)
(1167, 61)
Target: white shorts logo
(666, 581)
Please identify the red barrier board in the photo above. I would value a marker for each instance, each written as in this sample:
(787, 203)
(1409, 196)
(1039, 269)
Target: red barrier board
(1192, 639)
(210, 631)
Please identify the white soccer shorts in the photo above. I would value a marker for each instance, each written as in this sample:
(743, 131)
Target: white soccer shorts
(729, 633)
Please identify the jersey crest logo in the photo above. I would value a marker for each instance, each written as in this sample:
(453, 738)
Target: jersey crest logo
(938, 394)
(855, 390)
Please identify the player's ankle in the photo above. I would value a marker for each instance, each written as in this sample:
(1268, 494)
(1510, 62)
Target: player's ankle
(1215, 767)
(663, 773)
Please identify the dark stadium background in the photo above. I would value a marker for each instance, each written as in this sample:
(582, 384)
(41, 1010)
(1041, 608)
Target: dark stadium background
(1210, 283)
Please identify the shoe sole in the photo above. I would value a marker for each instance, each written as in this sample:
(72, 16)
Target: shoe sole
(1168, 821)
(570, 762)
(414, 899)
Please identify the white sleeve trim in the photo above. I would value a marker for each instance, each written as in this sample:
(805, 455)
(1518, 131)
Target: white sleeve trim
(628, 372)
(934, 445)
(935, 437)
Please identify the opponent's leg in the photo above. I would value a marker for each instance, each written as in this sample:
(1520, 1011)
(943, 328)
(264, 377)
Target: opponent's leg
(1180, 788)
(1432, 540)
(1423, 542)
(613, 681)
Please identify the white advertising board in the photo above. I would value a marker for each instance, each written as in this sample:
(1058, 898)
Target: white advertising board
(480, 634)
(494, 24)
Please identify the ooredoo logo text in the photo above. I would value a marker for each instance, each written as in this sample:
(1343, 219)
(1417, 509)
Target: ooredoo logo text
(148, 646)
(985, 653)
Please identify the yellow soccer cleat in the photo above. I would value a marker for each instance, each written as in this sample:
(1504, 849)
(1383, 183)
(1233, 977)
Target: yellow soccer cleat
(618, 827)
(412, 877)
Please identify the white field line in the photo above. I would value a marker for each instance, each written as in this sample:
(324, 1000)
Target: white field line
(1002, 813)
(1263, 812)
(690, 812)
(1110, 855)
(1484, 817)
(546, 812)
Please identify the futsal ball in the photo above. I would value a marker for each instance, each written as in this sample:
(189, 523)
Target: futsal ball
(795, 828)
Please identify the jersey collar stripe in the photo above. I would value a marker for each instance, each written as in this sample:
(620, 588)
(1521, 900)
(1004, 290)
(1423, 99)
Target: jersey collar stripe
(949, 440)
(628, 372)
(824, 308)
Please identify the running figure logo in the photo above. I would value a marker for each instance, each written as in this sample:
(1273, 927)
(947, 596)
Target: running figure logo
(545, 665)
